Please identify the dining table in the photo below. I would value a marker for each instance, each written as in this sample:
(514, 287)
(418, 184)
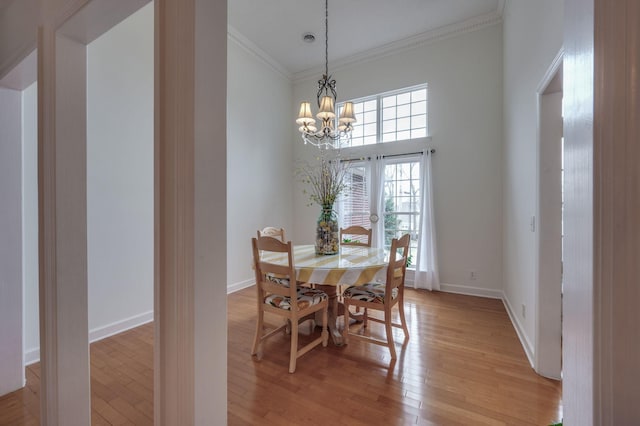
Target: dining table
(352, 265)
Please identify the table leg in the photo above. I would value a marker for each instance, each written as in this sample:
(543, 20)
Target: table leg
(335, 310)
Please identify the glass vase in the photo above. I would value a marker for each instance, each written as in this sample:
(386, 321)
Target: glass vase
(327, 235)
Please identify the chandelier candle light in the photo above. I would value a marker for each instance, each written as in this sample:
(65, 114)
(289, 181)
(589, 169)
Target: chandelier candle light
(327, 136)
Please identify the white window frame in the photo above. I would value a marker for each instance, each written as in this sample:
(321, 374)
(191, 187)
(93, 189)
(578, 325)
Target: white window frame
(400, 159)
(379, 114)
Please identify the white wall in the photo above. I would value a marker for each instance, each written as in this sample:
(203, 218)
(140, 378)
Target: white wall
(11, 367)
(119, 184)
(120, 175)
(532, 38)
(66, 401)
(464, 74)
(259, 157)
(30, 277)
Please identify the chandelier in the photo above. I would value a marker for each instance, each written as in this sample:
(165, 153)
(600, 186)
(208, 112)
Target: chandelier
(327, 136)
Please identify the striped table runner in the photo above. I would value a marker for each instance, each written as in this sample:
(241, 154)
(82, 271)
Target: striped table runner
(352, 266)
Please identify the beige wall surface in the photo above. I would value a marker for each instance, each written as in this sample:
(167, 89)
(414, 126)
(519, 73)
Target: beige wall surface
(532, 39)
(259, 157)
(464, 77)
(11, 317)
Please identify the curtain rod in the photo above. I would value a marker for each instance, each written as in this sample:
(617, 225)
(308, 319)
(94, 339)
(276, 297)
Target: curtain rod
(431, 151)
(349, 160)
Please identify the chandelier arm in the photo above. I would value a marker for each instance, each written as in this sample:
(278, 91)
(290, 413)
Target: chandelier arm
(325, 134)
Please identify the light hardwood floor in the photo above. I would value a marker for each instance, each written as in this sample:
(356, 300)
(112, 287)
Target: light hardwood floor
(463, 365)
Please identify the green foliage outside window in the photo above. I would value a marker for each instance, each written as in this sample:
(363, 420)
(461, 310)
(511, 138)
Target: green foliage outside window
(391, 222)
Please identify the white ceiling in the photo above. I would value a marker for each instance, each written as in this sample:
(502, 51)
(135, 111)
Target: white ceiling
(4, 4)
(355, 26)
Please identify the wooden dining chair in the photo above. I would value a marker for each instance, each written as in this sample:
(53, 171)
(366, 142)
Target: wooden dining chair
(289, 302)
(274, 232)
(361, 236)
(380, 297)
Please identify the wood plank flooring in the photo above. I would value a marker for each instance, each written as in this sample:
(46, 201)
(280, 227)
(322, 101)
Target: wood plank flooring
(463, 365)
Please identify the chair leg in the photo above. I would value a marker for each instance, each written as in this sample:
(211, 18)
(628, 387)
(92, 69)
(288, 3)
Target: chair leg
(294, 347)
(403, 321)
(345, 329)
(388, 328)
(259, 329)
(325, 332)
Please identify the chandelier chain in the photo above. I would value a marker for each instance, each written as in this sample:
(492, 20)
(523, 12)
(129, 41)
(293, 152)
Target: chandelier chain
(334, 130)
(326, 37)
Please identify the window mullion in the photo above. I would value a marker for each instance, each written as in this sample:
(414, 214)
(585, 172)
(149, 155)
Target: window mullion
(379, 119)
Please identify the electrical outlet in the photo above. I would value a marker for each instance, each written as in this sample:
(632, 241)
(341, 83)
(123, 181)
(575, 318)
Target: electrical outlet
(524, 311)
(473, 275)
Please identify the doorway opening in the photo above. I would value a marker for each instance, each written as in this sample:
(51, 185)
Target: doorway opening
(548, 334)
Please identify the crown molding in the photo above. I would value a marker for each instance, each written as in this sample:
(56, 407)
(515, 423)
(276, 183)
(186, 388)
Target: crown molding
(448, 31)
(251, 48)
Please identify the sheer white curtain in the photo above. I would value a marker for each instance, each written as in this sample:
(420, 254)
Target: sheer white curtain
(426, 275)
(377, 195)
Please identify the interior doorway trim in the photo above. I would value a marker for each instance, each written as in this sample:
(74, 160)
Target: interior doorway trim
(548, 278)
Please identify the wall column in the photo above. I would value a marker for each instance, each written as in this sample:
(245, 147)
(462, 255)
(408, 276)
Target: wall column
(616, 198)
(601, 345)
(64, 345)
(190, 212)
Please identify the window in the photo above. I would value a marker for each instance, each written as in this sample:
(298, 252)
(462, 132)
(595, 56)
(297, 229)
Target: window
(401, 194)
(355, 207)
(402, 200)
(365, 128)
(388, 182)
(390, 117)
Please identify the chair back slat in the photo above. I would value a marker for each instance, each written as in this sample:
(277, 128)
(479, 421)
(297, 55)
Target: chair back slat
(271, 231)
(269, 243)
(275, 269)
(272, 288)
(362, 236)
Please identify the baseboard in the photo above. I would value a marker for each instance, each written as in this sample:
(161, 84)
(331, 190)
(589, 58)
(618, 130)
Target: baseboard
(524, 341)
(240, 285)
(33, 355)
(471, 291)
(119, 326)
